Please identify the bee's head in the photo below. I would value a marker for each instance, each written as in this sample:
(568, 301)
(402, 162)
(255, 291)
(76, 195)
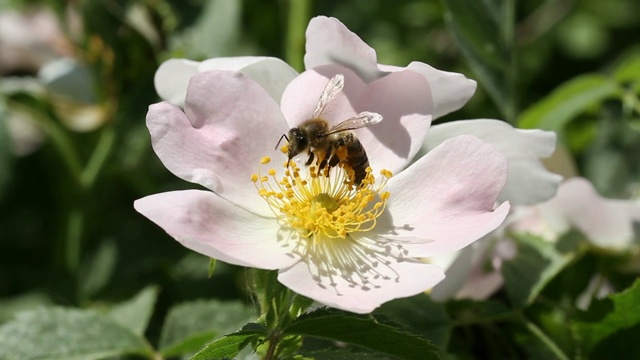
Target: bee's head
(298, 142)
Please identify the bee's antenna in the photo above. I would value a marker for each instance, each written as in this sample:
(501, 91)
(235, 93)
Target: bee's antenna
(281, 137)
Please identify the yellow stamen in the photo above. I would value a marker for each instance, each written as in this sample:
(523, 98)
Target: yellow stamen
(323, 206)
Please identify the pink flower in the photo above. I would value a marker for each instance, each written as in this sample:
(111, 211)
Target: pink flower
(605, 223)
(331, 49)
(346, 247)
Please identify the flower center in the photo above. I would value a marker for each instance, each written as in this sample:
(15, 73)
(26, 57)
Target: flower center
(320, 206)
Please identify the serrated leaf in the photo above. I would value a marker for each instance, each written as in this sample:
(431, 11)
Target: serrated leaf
(363, 331)
(421, 315)
(609, 318)
(230, 345)
(536, 263)
(343, 354)
(483, 30)
(191, 325)
(67, 334)
(568, 101)
(135, 313)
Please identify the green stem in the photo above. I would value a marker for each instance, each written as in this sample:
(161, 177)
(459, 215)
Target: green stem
(98, 158)
(508, 36)
(555, 349)
(75, 223)
(297, 22)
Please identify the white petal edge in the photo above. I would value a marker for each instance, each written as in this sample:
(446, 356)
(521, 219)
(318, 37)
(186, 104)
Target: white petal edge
(172, 77)
(206, 223)
(415, 277)
(528, 181)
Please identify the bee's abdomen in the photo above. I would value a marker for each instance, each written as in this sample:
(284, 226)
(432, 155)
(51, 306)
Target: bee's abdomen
(357, 159)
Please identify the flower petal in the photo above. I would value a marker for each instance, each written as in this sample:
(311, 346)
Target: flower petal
(450, 90)
(271, 73)
(330, 42)
(208, 224)
(528, 181)
(446, 198)
(230, 124)
(607, 223)
(406, 278)
(172, 77)
(402, 98)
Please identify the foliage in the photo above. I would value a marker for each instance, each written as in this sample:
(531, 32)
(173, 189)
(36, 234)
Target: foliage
(77, 260)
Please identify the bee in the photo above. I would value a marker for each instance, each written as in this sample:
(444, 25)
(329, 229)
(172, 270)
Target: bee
(332, 146)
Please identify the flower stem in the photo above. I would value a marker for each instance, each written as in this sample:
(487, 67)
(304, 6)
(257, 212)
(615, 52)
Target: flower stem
(297, 23)
(555, 349)
(98, 157)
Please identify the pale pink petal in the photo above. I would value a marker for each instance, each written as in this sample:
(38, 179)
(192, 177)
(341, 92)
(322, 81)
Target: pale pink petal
(271, 73)
(172, 78)
(402, 98)
(528, 181)
(210, 225)
(450, 90)
(406, 278)
(330, 42)
(607, 223)
(230, 124)
(447, 197)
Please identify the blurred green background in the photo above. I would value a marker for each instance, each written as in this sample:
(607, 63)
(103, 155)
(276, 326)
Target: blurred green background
(75, 152)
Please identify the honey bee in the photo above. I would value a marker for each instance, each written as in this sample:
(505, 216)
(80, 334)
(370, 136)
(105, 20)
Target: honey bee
(332, 146)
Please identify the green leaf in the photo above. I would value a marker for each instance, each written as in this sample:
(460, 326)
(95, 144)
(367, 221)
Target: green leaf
(135, 314)
(190, 326)
(97, 272)
(568, 101)
(483, 30)
(29, 301)
(537, 262)
(421, 315)
(229, 346)
(610, 321)
(363, 331)
(67, 334)
(628, 70)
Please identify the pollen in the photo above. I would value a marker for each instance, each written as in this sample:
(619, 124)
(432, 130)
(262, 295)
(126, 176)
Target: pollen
(321, 207)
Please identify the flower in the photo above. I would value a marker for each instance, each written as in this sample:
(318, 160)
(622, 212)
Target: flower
(346, 247)
(605, 223)
(331, 48)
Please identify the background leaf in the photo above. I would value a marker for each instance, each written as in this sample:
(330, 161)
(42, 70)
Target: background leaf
(66, 334)
(135, 314)
(483, 30)
(229, 346)
(568, 101)
(363, 331)
(613, 321)
(189, 326)
(536, 263)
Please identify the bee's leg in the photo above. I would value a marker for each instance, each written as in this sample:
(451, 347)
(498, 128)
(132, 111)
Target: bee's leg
(334, 160)
(323, 163)
(310, 158)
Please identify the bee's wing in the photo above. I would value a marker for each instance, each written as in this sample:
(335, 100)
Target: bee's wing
(363, 119)
(330, 91)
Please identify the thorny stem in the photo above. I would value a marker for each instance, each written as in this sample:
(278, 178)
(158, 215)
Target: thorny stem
(274, 339)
